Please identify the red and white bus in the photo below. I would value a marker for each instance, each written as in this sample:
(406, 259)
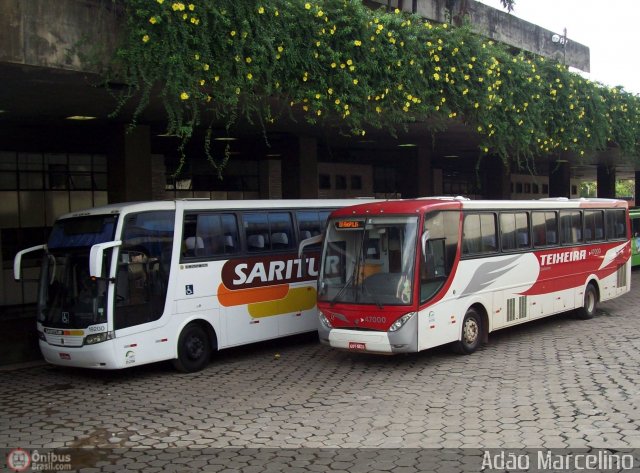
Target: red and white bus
(407, 275)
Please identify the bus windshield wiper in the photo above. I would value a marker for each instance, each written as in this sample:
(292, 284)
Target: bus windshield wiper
(342, 289)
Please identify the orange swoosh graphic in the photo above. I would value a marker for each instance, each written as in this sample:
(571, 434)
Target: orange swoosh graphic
(228, 297)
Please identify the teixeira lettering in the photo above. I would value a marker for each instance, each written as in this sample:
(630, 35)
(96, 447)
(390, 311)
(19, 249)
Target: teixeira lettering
(563, 257)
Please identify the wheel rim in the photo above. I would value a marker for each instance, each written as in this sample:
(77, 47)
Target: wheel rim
(194, 346)
(470, 331)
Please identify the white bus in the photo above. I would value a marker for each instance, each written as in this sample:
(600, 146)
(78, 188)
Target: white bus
(407, 275)
(135, 283)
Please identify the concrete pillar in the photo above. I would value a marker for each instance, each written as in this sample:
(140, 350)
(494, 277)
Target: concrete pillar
(606, 181)
(636, 192)
(300, 169)
(423, 172)
(129, 165)
(270, 179)
(495, 178)
(414, 172)
(559, 179)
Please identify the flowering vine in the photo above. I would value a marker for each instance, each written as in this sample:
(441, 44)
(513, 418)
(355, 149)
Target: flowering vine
(342, 64)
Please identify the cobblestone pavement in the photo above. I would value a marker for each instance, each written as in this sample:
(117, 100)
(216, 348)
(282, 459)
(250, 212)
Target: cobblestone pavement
(554, 383)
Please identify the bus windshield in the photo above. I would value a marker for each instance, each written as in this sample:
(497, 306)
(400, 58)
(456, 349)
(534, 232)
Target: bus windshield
(369, 261)
(68, 298)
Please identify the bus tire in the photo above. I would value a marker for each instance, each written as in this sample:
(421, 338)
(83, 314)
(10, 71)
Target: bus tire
(588, 309)
(471, 334)
(194, 349)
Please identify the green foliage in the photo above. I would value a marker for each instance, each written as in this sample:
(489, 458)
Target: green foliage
(340, 64)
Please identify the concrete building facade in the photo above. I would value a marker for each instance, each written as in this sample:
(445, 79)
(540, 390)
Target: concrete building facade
(53, 160)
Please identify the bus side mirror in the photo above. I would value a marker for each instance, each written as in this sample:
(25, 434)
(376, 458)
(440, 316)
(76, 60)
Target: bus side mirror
(303, 244)
(423, 240)
(96, 257)
(17, 261)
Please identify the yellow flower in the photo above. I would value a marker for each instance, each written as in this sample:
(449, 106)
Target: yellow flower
(145, 38)
(201, 81)
(280, 49)
(355, 81)
(248, 60)
(320, 13)
(337, 102)
(436, 76)
(153, 20)
(160, 1)
(357, 42)
(276, 13)
(192, 7)
(330, 91)
(233, 33)
(261, 10)
(184, 96)
(349, 62)
(307, 6)
(216, 78)
(333, 65)
(249, 76)
(205, 67)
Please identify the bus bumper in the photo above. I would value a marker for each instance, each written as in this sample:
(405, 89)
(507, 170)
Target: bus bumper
(100, 356)
(404, 340)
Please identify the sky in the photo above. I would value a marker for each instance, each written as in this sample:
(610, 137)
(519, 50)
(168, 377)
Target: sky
(610, 29)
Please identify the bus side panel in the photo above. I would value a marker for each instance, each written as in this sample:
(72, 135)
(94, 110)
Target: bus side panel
(195, 294)
(441, 323)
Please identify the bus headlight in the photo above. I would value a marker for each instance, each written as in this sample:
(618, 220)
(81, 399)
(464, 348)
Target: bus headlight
(98, 338)
(324, 321)
(397, 325)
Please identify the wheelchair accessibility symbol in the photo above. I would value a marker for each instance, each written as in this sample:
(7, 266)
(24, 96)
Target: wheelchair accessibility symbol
(189, 289)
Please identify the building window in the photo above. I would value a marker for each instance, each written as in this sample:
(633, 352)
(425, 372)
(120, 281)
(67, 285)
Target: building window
(341, 182)
(324, 181)
(356, 182)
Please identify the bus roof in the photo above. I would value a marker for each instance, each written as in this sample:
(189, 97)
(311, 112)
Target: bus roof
(409, 206)
(208, 204)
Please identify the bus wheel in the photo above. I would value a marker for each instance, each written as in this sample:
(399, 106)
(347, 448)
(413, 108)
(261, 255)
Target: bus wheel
(471, 333)
(588, 309)
(194, 349)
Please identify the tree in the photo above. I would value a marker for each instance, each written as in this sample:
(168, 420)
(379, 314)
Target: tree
(508, 4)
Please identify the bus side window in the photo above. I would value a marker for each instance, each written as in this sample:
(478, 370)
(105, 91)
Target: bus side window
(311, 223)
(438, 247)
(209, 235)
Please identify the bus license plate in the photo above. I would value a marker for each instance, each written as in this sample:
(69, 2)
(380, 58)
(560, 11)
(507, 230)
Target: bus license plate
(357, 346)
